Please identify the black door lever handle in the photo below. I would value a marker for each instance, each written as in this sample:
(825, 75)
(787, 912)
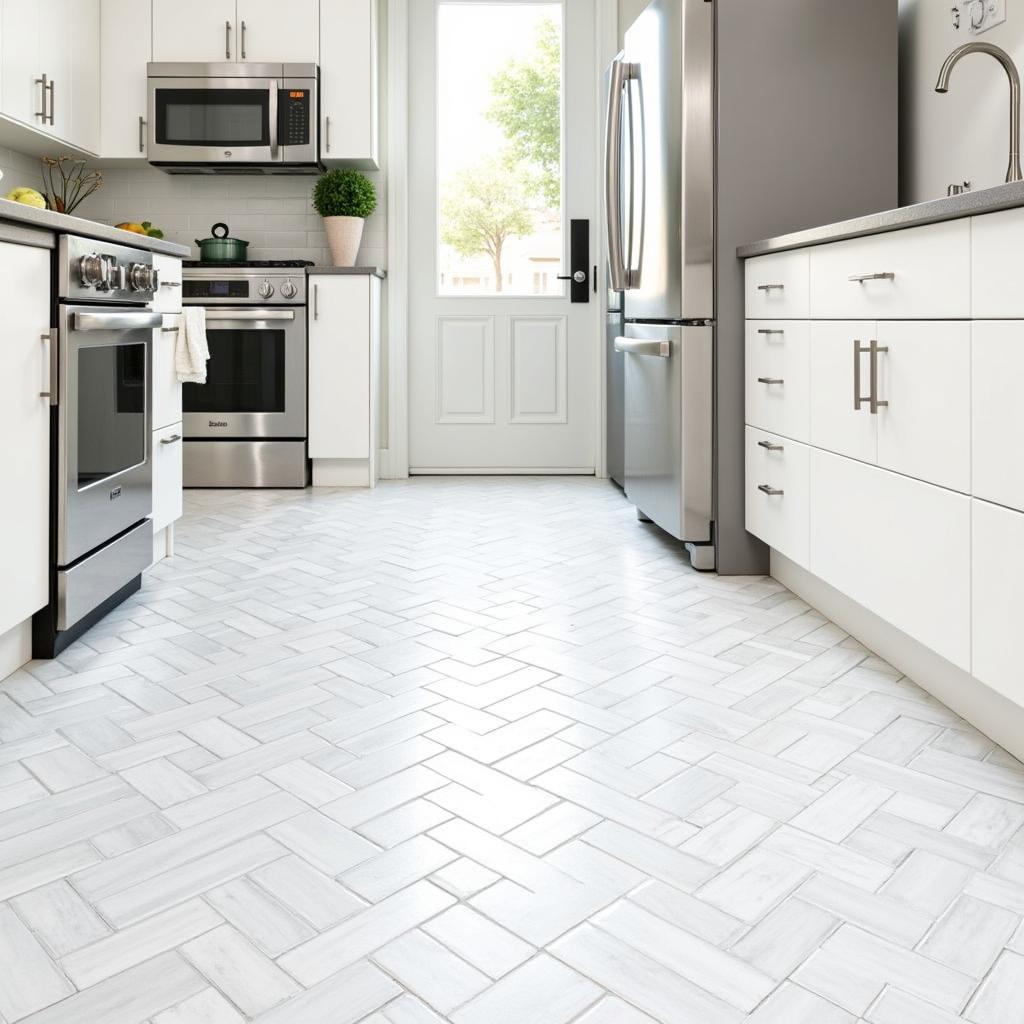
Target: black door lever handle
(579, 277)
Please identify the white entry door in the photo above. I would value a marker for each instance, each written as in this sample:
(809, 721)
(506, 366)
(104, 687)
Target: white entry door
(503, 154)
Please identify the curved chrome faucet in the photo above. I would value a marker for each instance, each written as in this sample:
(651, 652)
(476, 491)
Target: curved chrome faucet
(1013, 171)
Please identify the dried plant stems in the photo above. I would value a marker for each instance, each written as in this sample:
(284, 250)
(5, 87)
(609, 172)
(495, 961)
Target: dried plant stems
(67, 182)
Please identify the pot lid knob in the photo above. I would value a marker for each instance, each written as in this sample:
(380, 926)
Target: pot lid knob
(224, 233)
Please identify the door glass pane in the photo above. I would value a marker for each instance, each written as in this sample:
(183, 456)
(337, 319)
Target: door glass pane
(111, 410)
(201, 117)
(499, 149)
(245, 374)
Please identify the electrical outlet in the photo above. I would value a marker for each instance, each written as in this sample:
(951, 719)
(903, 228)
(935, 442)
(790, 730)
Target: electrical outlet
(981, 15)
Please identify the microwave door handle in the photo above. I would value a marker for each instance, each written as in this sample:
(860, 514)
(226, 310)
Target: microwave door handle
(116, 321)
(273, 120)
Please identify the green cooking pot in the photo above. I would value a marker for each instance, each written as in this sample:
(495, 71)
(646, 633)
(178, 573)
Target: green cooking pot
(220, 247)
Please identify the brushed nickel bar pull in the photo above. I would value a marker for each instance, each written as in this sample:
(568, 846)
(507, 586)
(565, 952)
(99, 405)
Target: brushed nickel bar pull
(858, 351)
(327, 132)
(243, 40)
(875, 402)
(42, 97)
(227, 40)
(142, 134)
(886, 275)
(770, 287)
(770, 447)
(771, 380)
(770, 330)
(51, 90)
(773, 491)
(316, 302)
(171, 439)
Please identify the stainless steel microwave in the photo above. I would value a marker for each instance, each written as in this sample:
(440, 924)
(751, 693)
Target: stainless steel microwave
(230, 118)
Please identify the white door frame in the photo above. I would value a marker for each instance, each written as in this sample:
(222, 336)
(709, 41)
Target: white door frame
(394, 460)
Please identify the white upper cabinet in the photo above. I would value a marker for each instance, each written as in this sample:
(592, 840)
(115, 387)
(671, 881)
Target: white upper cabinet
(237, 30)
(50, 60)
(122, 81)
(25, 423)
(280, 33)
(348, 83)
(194, 30)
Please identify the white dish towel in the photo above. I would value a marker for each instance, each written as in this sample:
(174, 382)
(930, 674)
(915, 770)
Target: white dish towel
(191, 350)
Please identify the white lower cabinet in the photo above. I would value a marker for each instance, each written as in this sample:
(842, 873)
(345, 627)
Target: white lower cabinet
(899, 547)
(836, 422)
(25, 427)
(777, 376)
(344, 341)
(166, 476)
(778, 493)
(166, 386)
(997, 597)
(997, 412)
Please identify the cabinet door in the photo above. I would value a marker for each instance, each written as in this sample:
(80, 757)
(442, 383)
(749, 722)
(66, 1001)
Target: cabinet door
(280, 33)
(85, 68)
(997, 413)
(348, 84)
(194, 30)
(997, 598)
(22, 94)
(925, 430)
(166, 476)
(168, 295)
(339, 367)
(835, 423)
(24, 416)
(123, 77)
(899, 547)
(56, 26)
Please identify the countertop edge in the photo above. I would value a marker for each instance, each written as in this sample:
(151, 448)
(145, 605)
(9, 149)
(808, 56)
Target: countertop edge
(968, 204)
(348, 271)
(62, 223)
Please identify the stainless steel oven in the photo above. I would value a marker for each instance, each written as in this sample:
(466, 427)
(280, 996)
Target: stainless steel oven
(101, 463)
(246, 426)
(234, 118)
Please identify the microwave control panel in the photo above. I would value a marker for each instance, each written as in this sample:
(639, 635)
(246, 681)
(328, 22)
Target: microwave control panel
(293, 117)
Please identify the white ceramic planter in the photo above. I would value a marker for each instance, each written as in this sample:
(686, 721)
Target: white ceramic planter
(343, 236)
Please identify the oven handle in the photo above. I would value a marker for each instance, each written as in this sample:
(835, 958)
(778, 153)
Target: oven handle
(116, 321)
(250, 314)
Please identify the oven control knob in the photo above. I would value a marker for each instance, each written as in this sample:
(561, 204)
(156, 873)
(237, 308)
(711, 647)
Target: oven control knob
(288, 290)
(141, 277)
(94, 271)
(265, 290)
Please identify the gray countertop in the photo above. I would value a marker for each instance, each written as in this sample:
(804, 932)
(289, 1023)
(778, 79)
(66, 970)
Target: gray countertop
(969, 204)
(360, 271)
(61, 223)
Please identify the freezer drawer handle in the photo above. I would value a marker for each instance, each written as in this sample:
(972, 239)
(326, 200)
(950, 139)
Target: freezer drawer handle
(661, 349)
(770, 447)
(770, 287)
(772, 491)
(886, 275)
(771, 380)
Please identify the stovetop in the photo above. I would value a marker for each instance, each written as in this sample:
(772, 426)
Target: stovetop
(253, 264)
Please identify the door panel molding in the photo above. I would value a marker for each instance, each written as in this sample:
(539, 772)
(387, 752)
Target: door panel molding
(538, 389)
(464, 369)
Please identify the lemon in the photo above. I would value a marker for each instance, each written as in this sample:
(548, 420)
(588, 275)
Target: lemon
(28, 196)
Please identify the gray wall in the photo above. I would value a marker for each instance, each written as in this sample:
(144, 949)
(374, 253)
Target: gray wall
(963, 134)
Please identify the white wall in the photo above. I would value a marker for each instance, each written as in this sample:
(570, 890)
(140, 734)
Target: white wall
(964, 134)
(19, 169)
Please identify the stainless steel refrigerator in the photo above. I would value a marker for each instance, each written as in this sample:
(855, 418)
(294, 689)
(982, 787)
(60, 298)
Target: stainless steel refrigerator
(727, 122)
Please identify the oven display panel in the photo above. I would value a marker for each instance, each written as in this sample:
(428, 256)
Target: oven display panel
(215, 289)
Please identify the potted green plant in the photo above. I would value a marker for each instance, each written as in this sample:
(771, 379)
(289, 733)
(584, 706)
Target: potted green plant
(344, 199)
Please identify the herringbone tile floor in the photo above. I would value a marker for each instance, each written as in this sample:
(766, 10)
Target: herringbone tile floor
(488, 751)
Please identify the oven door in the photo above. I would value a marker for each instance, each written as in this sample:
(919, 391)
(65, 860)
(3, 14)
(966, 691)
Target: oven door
(104, 468)
(213, 120)
(255, 379)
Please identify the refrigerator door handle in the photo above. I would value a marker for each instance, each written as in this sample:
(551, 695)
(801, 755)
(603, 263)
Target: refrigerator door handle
(621, 72)
(633, 274)
(661, 349)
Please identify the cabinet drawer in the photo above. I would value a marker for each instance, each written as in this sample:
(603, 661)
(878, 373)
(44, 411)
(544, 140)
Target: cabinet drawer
(166, 476)
(777, 464)
(776, 286)
(997, 356)
(997, 597)
(899, 547)
(777, 372)
(997, 240)
(918, 273)
(168, 294)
